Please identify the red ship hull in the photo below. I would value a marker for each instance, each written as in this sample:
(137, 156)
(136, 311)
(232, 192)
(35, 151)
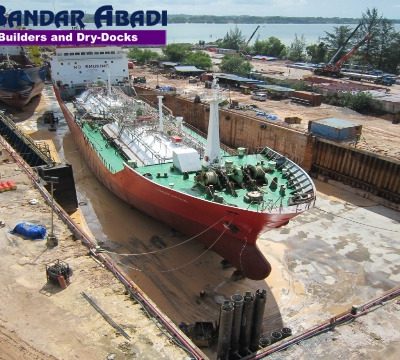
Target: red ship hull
(231, 232)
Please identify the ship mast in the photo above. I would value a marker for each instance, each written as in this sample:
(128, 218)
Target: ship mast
(212, 152)
(160, 114)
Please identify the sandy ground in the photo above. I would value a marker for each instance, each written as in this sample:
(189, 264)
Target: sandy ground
(39, 320)
(343, 252)
(378, 135)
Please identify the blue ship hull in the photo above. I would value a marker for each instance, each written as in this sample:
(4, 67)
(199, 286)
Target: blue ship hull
(19, 86)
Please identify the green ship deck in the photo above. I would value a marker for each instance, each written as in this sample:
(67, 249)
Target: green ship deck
(176, 180)
(166, 175)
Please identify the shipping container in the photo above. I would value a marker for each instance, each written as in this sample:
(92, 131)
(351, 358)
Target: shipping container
(335, 129)
(309, 98)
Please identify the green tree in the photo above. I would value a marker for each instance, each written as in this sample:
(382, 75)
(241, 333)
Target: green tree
(371, 24)
(176, 52)
(317, 52)
(336, 40)
(271, 47)
(392, 60)
(142, 56)
(360, 102)
(199, 59)
(386, 45)
(235, 64)
(234, 39)
(35, 55)
(297, 48)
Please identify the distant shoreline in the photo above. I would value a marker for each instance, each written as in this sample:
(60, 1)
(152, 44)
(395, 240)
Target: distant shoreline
(247, 19)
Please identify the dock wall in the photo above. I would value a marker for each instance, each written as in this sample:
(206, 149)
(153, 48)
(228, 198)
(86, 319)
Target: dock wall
(361, 169)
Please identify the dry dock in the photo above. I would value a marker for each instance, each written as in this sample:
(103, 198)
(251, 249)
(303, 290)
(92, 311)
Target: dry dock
(343, 252)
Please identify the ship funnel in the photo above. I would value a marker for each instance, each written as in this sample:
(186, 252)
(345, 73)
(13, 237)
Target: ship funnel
(160, 114)
(212, 153)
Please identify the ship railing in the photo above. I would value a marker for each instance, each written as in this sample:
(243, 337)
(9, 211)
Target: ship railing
(146, 148)
(279, 209)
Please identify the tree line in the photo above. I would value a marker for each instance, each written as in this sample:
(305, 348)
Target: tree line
(179, 53)
(380, 49)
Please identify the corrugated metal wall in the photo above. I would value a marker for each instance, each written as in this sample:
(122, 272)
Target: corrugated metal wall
(370, 172)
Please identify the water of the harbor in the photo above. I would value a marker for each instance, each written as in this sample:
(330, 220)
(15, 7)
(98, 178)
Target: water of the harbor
(193, 33)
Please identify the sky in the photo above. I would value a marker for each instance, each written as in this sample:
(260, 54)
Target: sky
(324, 8)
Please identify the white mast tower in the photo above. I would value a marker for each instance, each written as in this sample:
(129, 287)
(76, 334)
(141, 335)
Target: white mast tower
(212, 152)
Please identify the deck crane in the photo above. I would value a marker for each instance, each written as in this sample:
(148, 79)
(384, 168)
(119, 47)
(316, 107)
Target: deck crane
(333, 68)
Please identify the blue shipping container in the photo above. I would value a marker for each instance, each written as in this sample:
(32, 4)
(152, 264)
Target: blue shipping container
(335, 129)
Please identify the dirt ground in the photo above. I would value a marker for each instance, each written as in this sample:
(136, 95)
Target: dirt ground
(40, 321)
(378, 135)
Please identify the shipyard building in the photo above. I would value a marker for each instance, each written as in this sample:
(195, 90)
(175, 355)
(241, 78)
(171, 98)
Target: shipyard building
(86, 65)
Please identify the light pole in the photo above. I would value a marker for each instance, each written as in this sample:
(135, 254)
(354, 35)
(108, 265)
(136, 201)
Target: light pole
(52, 240)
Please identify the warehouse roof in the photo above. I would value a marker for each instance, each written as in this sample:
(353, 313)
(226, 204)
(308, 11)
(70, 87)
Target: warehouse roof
(169, 63)
(276, 88)
(188, 68)
(237, 78)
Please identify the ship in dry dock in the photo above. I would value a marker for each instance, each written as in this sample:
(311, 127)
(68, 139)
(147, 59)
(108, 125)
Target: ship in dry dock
(154, 162)
(20, 79)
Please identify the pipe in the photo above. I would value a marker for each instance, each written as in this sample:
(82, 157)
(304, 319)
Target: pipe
(264, 342)
(247, 319)
(225, 330)
(259, 308)
(237, 300)
(276, 336)
(286, 332)
(175, 334)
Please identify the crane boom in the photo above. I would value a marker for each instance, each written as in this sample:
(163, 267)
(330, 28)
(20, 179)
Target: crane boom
(252, 35)
(333, 69)
(347, 56)
(242, 49)
(333, 58)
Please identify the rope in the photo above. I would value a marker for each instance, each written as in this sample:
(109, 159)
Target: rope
(184, 265)
(169, 247)
(241, 252)
(357, 222)
(198, 257)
